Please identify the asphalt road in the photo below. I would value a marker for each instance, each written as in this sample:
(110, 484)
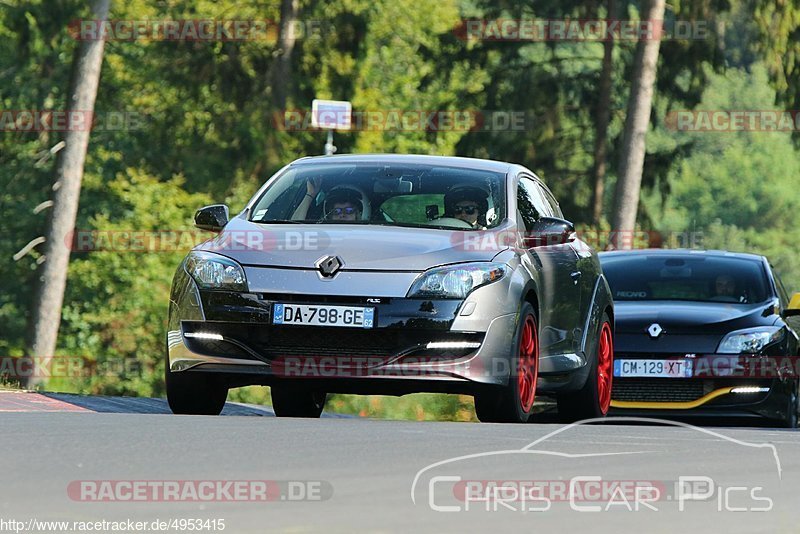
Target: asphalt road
(351, 474)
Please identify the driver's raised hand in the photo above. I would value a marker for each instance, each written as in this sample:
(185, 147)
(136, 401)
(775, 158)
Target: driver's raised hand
(312, 186)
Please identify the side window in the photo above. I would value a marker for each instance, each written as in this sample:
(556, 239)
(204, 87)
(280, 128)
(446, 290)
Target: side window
(527, 203)
(538, 198)
(551, 201)
(782, 295)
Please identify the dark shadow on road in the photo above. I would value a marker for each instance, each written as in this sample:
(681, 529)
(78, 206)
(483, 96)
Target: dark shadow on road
(103, 404)
(144, 405)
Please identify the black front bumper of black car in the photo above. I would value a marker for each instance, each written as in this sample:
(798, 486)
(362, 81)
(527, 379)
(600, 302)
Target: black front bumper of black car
(722, 385)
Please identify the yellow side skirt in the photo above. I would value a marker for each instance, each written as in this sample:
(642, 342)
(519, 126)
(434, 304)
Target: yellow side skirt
(671, 405)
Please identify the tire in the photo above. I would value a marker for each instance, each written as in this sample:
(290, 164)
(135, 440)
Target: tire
(195, 393)
(513, 403)
(594, 398)
(297, 402)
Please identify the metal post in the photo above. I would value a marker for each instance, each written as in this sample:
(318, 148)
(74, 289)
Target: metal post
(329, 147)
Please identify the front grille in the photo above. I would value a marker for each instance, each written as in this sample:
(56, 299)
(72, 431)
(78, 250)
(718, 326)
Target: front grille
(315, 341)
(300, 341)
(272, 342)
(659, 389)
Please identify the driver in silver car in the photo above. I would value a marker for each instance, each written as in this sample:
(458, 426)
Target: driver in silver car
(468, 204)
(342, 203)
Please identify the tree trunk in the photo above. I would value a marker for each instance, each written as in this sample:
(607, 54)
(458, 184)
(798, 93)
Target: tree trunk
(602, 118)
(282, 70)
(626, 198)
(46, 307)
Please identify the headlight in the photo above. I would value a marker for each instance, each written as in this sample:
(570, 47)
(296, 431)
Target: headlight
(751, 340)
(456, 281)
(212, 271)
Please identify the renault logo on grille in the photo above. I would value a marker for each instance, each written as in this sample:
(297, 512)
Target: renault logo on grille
(655, 330)
(329, 266)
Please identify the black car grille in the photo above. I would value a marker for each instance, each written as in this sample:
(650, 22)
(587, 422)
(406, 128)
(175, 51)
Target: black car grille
(300, 341)
(659, 389)
(384, 342)
(271, 342)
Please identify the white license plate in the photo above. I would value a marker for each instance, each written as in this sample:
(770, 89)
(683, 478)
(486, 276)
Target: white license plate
(323, 315)
(653, 368)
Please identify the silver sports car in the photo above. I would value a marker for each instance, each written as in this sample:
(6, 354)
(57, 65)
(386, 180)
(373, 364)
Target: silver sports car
(393, 274)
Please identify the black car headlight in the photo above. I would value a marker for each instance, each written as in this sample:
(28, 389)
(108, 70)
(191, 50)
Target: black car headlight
(456, 281)
(750, 340)
(212, 271)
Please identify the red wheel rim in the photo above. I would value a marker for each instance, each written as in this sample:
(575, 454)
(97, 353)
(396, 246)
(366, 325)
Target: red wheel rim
(605, 364)
(528, 365)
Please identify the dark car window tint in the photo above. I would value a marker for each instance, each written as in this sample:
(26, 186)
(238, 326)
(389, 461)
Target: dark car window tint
(782, 294)
(697, 278)
(551, 201)
(526, 204)
(536, 196)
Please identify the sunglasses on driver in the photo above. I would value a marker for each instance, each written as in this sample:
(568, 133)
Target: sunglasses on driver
(343, 211)
(469, 210)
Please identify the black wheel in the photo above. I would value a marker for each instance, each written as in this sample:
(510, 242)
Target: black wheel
(791, 419)
(594, 398)
(194, 393)
(513, 403)
(297, 402)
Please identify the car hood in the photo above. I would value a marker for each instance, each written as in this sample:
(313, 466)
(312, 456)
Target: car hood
(378, 248)
(689, 317)
(685, 327)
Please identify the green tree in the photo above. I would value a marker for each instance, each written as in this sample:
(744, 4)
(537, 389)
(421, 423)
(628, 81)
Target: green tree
(736, 188)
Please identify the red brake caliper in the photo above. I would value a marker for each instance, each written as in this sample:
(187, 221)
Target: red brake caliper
(605, 364)
(528, 368)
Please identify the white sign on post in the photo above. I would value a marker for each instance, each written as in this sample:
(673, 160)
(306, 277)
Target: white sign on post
(331, 114)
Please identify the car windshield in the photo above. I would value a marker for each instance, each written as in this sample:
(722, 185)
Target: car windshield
(385, 194)
(697, 278)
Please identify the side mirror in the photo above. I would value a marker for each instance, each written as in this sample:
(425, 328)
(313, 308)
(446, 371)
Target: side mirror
(213, 217)
(548, 231)
(793, 309)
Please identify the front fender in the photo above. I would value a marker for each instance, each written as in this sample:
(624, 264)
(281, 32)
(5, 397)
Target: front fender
(601, 300)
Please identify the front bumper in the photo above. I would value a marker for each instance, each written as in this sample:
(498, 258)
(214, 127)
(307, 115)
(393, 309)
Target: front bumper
(721, 384)
(232, 334)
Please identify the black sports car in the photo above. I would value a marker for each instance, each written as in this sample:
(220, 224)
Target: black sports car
(702, 332)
